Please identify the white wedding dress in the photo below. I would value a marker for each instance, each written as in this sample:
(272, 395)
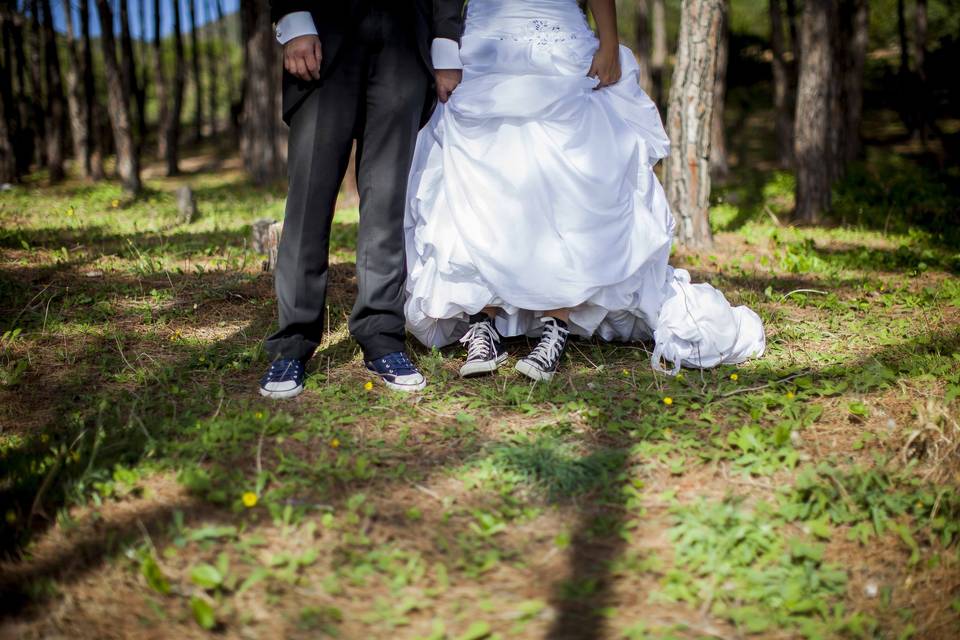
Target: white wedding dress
(530, 190)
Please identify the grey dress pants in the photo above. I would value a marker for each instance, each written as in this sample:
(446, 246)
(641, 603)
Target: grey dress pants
(374, 94)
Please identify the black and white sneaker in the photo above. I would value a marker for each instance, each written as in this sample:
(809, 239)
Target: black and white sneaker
(284, 379)
(484, 353)
(397, 372)
(543, 361)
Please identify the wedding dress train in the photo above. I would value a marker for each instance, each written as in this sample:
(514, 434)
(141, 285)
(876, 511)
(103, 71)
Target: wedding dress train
(531, 190)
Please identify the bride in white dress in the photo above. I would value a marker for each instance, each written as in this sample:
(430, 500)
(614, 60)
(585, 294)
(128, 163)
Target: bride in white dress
(533, 208)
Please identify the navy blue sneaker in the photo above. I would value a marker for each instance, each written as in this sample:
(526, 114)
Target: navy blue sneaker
(284, 379)
(397, 372)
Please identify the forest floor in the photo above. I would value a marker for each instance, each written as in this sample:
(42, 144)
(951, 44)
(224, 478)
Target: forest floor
(810, 493)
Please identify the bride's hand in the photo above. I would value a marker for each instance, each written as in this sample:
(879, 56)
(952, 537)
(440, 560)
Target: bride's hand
(605, 66)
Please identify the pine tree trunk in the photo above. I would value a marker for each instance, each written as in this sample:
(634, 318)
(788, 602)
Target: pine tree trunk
(24, 142)
(658, 57)
(230, 85)
(906, 98)
(79, 127)
(644, 45)
(38, 118)
(782, 89)
(924, 116)
(856, 34)
(56, 125)
(812, 148)
(143, 74)
(8, 163)
(198, 86)
(91, 104)
(212, 71)
(128, 161)
(129, 62)
(179, 78)
(9, 114)
(262, 137)
(160, 85)
(719, 166)
(690, 118)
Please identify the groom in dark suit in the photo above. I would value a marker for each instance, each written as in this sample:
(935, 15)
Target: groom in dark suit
(370, 71)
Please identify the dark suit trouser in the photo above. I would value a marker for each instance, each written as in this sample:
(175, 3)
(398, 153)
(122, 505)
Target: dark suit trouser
(374, 93)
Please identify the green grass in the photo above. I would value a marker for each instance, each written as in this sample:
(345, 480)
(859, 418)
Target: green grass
(807, 494)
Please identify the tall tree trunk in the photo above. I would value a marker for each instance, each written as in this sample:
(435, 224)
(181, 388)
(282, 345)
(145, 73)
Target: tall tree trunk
(143, 75)
(814, 104)
(24, 143)
(91, 104)
(262, 138)
(905, 78)
(9, 113)
(644, 45)
(690, 118)
(855, 38)
(658, 57)
(56, 104)
(79, 127)
(8, 162)
(130, 85)
(782, 88)
(719, 166)
(924, 115)
(173, 116)
(212, 71)
(230, 85)
(38, 118)
(198, 85)
(160, 85)
(128, 160)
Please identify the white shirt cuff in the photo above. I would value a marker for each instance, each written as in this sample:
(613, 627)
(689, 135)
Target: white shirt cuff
(296, 24)
(445, 54)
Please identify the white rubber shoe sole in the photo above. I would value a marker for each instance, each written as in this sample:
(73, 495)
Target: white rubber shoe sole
(406, 388)
(281, 394)
(474, 369)
(534, 372)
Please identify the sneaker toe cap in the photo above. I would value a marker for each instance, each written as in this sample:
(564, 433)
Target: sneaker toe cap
(409, 380)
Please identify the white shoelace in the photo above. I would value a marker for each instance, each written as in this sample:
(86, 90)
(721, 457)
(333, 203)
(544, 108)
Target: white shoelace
(551, 345)
(481, 339)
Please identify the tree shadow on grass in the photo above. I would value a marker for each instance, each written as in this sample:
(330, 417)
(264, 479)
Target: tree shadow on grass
(160, 406)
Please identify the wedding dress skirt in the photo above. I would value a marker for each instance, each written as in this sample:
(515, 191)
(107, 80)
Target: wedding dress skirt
(531, 191)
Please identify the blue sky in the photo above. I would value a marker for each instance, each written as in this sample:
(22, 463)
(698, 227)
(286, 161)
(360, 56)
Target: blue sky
(204, 7)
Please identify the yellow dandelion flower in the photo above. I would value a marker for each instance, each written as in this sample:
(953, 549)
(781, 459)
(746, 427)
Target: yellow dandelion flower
(668, 401)
(11, 516)
(335, 443)
(734, 377)
(115, 204)
(258, 415)
(789, 395)
(249, 499)
(368, 385)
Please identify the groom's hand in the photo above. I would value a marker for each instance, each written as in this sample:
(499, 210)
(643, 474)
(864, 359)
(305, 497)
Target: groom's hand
(302, 57)
(447, 81)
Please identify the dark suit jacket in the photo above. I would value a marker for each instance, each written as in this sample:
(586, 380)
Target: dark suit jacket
(334, 21)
